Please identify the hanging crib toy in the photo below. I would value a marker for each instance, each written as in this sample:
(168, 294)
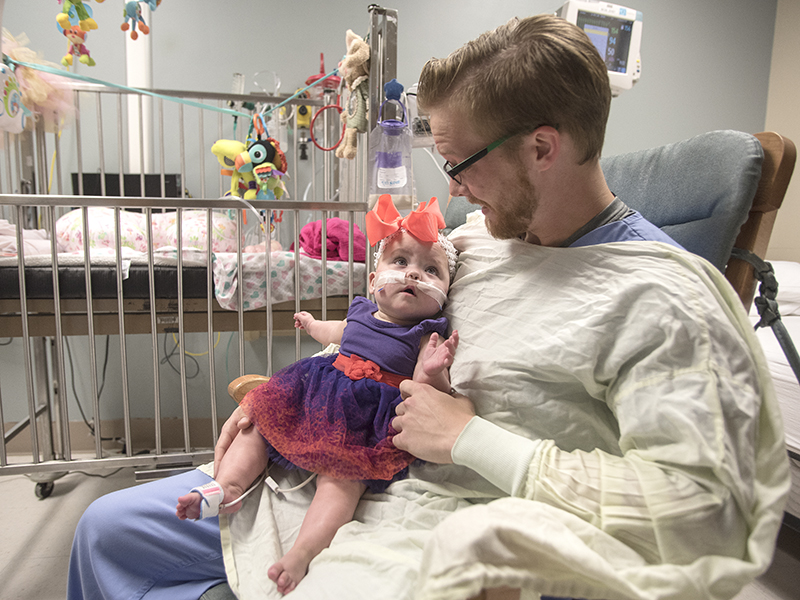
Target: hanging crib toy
(256, 167)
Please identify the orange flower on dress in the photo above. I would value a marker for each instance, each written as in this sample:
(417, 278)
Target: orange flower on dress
(358, 368)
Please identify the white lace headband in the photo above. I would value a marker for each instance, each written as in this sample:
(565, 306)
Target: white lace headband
(447, 246)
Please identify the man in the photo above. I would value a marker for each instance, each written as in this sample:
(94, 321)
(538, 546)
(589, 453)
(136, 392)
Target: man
(614, 432)
(661, 464)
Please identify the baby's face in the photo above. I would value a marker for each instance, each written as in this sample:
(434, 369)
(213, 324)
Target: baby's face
(418, 262)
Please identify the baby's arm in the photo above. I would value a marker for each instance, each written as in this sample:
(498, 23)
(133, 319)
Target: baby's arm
(435, 357)
(325, 332)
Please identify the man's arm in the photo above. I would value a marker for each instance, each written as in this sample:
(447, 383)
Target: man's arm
(669, 510)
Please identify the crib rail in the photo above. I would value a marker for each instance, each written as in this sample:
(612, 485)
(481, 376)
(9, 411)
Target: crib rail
(45, 327)
(133, 152)
(150, 152)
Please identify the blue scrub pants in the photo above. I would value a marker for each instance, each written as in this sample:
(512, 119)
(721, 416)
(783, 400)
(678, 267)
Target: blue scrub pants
(129, 544)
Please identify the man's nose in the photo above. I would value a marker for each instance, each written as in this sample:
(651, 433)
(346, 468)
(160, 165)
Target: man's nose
(457, 189)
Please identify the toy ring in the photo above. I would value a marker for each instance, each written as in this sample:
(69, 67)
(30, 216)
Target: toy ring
(341, 137)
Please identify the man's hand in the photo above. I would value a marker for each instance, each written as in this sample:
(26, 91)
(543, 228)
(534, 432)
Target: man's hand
(238, 421)
(430, 421)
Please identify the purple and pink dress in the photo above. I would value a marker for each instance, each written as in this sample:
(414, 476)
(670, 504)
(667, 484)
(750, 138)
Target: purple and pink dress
(332, 414)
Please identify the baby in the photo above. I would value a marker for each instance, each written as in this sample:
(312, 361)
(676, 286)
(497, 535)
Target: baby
(332, 414)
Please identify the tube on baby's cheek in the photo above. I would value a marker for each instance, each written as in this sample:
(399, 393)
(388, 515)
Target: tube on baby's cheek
(431, 290)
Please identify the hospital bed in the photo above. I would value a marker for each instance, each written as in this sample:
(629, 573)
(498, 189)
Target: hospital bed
(787, 387)
(166, 310)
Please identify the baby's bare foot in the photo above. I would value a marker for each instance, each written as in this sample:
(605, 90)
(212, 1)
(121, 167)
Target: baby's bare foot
(290, 570)
(190, 506)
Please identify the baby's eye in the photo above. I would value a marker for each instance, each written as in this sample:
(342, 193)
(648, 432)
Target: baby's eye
(432, 270)
(400, 261)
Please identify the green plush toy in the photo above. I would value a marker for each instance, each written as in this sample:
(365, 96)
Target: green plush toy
(355, 70)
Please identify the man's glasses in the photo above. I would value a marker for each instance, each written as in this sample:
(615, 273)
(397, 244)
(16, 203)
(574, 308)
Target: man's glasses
(454, 170)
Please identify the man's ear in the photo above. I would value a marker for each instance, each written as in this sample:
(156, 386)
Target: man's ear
(542, 147)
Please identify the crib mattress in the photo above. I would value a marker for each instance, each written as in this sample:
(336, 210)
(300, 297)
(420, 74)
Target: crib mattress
(225, 276)
(72, 282)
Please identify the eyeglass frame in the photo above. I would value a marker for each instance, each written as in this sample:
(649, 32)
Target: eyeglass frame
(453, 171)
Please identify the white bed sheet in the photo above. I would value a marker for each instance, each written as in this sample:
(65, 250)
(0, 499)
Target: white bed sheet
(787, 387)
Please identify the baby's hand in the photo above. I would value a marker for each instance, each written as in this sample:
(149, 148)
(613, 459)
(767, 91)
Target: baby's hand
(437, 358)
(303, 319)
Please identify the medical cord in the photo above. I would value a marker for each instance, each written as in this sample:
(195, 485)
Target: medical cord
(168, 354)
(99, 391)
(438, 166)
(255, 484)
(175, 339)
(767, 305)
(273, 485)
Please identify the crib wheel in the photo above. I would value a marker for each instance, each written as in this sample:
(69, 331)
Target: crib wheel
(238, 388)
(44, 489)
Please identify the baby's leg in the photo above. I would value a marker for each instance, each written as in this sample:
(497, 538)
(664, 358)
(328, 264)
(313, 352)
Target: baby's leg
(244, 461)
(333, 505)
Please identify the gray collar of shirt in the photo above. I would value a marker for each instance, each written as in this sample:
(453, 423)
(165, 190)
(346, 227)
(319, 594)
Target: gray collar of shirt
(616, 211)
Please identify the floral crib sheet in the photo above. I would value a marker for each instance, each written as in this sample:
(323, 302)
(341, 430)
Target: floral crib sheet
(282, 278)
(194, 234)
(133, 230)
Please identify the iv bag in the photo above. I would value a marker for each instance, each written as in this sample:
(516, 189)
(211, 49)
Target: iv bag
(390, 160)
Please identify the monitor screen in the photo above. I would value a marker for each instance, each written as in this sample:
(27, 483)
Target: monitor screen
(610, 35)
(616, 32)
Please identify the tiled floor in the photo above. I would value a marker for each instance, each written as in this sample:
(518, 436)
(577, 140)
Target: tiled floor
(36, 537)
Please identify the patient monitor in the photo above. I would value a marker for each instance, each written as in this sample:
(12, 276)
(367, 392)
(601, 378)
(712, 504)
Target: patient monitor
(616, 32)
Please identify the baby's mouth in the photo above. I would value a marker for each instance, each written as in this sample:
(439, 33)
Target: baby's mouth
(410, 290)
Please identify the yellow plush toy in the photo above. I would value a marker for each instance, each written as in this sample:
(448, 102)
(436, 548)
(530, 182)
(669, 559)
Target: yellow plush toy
(85, 20)
(259, 166)
(355, 70)
(231, 156)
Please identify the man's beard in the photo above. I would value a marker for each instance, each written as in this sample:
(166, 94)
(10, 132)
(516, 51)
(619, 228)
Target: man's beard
(512, 216)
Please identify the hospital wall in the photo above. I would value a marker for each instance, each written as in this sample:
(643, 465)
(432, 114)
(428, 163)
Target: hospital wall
(705, 63)
(705, 66)
(783, 115)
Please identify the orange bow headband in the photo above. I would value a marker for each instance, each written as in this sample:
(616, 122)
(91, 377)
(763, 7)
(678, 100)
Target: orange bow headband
(424, 223)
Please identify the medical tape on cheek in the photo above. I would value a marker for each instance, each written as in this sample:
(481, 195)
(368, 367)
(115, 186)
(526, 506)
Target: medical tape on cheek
(386, 277)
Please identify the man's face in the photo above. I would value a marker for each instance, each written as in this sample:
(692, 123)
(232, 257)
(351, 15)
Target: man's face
(498, 182)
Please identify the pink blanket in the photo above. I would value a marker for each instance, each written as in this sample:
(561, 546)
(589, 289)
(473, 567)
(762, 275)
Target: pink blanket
(337, 234)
